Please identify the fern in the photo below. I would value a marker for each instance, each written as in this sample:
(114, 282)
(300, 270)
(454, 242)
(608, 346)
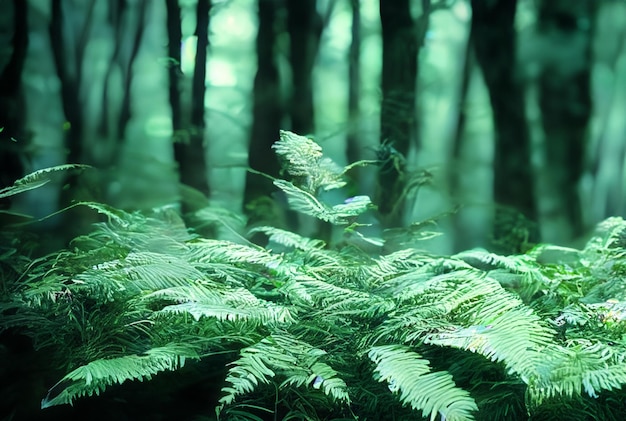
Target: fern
(581, 366)
(285, 356)
(311, 330)
(302, 201)
(232, 304)
(289, 239)
(408, 374)
(38, 179)
(303, 159)
(95, 376)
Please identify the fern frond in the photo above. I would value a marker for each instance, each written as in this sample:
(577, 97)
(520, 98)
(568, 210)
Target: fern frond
(139, 272)
(219, 251)
(333, 299)
(223, 304)
(37, 179)
(610, 233)
(302, 201)
(434, 393)
(281, 354)
(581, 366)
(95, 376)
(289, 239)
(302, 158)
(514, 337)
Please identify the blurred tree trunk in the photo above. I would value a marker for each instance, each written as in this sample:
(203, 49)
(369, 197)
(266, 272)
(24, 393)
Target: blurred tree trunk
(401, 37)
(267, 114)
(493, 35)
(565, 100)
(13, 137)
(195, 173)
(68, 60)
(115, 114)
(304, 26)
(354, 78)
(189, 150)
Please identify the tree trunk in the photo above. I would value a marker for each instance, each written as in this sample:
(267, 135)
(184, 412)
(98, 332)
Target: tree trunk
(401, 40)
(70, 75)
(267, 113)
(354, 78)
(565, 100)
(493, 35)
(13, 138)
(195, 171)
(189, 150)
(305, 27)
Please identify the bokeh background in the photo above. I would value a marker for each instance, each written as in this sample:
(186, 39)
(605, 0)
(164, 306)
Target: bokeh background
(491, 118)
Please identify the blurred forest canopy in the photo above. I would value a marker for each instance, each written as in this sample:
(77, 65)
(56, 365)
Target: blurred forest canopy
(501, 119)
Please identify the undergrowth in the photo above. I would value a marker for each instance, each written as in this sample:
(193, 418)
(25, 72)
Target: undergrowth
(304, 330)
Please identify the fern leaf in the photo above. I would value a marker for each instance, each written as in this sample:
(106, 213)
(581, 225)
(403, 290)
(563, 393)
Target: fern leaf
(258, 315)
(142, 271)
(568, 371)
(289, 239)
(302, 201)
(283, 355)
(302, 158)
(37, 179)
(95, 376)
(408, 374)
(219, 251)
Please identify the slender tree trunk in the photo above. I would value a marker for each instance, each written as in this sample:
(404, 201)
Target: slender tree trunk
(305, 27)
(70, 75)
(128, 40)
(12, 110)
(402, 38)
(267, 112)
(565, 100)
(175, 38)
(127, 66)
(462, 241)
(354, 78)
(493, 35)
(195, 173)
(189, 151)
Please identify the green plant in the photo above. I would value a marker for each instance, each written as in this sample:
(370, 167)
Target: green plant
(317, 332)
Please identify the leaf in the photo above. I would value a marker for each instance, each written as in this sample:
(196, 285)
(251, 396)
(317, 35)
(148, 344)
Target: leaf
(408, 374)
(95, 376)
(37, 179)
(302, 158)
(303, 201)
(289, 239)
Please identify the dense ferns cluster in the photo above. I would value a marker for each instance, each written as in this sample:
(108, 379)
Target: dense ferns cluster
(313, 332)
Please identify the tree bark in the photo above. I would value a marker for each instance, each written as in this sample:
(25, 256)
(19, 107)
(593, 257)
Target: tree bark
(189, 151)
(305, 27)
(13, 137)
(354, 79)
(493, 35)
(267, 109)
(70, 75)
(401, 38)
(565, 100)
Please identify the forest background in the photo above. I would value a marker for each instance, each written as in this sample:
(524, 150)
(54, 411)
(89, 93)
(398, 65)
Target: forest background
(491, 118)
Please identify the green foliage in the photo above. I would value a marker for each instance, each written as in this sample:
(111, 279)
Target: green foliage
(409, 374)
(305, 330)
(37, 179)
(95, 376)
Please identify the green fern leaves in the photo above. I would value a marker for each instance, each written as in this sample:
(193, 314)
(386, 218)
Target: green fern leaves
(38, 179)
(95, 376)
(409, 375)
(297, 364)
(304, 329)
